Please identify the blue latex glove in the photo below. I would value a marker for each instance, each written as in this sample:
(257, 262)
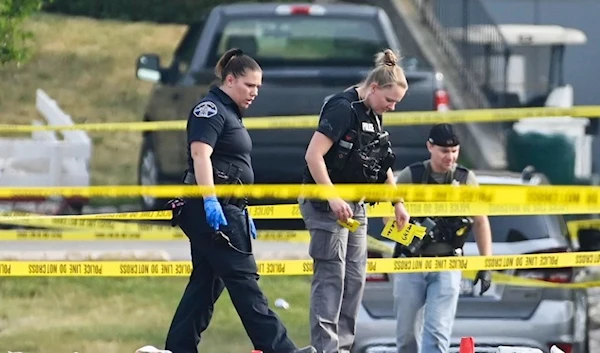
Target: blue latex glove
(252, 226)
(214, 212)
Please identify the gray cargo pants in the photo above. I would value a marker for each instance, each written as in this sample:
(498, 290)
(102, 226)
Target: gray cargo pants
(339, 262)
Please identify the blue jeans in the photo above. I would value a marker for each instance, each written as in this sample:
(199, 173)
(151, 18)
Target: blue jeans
(437, 294)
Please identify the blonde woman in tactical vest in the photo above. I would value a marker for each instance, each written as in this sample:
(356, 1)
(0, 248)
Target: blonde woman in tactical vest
(349, 146)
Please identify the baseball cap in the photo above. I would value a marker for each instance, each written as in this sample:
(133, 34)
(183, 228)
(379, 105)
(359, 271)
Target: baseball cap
(443, 135)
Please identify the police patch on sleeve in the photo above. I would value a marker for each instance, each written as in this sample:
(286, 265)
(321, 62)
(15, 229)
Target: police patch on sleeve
(205, 110)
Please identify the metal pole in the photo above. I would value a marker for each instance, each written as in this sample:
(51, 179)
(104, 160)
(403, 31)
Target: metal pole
(465, 33)
(536, 12)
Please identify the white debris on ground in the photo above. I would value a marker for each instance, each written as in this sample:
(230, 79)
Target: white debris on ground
(282, 304)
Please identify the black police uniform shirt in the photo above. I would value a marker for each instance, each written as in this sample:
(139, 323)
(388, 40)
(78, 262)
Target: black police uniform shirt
(337, 118)
(217, 121)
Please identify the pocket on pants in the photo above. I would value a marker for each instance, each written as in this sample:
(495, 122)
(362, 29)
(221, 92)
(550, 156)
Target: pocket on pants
(237, 229)
(325, 245)
(325, 233)
(315, 219)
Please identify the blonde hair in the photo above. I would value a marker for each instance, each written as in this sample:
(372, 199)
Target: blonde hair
(387, 71)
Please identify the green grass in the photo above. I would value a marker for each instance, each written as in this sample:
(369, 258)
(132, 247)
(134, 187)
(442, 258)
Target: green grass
(116, 315)
(88, 67)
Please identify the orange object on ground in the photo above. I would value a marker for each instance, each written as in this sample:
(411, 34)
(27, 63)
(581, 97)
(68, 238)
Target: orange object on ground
(467, 345)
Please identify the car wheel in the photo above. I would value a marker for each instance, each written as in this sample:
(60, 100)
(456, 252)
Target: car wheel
(149, 174)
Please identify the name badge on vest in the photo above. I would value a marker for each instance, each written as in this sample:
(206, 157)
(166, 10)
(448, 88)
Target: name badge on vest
(368, 127)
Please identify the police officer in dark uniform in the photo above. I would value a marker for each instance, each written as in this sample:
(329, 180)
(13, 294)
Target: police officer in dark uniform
(349, 146)
(219, 229)
(437, 292)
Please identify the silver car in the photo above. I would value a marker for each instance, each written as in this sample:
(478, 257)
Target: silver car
(504, 315)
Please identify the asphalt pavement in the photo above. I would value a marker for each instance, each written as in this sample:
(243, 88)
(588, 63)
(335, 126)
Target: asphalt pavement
(167, 250)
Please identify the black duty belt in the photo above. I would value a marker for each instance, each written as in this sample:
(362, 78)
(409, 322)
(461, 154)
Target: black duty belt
(430, 250)
(190, 179)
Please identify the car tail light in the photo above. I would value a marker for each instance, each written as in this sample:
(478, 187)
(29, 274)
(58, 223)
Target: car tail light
(555, 275)
(300, 10)
(376, 277)
(441, 100)
(565, 347)
(558, 275)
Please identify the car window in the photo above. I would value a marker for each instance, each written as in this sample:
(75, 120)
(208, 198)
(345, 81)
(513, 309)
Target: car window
(318, 40)
(186, 48)
(558, 222)
(507, 229)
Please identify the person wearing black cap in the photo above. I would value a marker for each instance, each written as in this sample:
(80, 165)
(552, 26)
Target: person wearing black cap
(219, 229)
(436, 292)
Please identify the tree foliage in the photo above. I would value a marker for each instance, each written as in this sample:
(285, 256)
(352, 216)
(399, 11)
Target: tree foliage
(13, 36)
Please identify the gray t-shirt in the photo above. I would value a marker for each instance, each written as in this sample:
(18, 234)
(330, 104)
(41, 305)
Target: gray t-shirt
(405, 177)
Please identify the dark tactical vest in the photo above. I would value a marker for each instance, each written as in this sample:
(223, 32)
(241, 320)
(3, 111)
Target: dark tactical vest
(446, 240)
(363, 154)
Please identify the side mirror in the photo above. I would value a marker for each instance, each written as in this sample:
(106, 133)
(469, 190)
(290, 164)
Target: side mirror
(147, 68)
(589, 239)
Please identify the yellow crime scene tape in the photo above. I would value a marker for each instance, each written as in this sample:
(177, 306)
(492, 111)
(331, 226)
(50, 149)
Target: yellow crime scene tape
(70, 222)
(301, 267)
(76, 228)
(575, 226)
(184, 268)
(310, 121)
(84, 235)
(110, 226)
(293, 236)
(491, 194)
(120, 216)
(94, 235)
(502, 278)
(292, 211)
(71, 228)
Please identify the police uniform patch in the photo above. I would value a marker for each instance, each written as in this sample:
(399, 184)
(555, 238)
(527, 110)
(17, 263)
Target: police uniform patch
(368, 127)
(205, 110)
(326, 124)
